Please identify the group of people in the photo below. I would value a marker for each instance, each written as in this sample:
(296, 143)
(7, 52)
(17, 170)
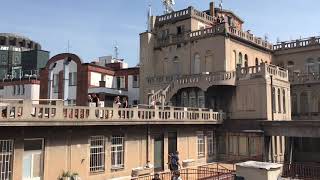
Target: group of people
(94, 99)
(117, 102)
(174, 166)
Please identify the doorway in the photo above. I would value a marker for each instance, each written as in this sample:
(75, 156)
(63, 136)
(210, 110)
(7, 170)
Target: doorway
(158, 153)
(33, 159)
(172, 142)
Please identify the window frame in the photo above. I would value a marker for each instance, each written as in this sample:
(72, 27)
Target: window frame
(7, 154)
(116, 150)
(210, 140)
(99, 151)
(201, 144)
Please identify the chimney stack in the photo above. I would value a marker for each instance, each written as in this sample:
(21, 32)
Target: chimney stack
(212, 13)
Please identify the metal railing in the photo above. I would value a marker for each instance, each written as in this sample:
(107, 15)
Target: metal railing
(301, 171)
(207, 172)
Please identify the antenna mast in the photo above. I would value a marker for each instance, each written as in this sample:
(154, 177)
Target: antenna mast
(220, 4)
(116, 51)
(149, 17)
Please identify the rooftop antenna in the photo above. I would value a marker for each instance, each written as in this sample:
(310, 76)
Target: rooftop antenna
(116, 50)
(220, 4)
(149, 17)
(266, 37)
(168, 6)
(68, 47)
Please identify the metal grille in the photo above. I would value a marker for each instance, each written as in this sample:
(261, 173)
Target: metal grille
(201, 144)
(210, 143)
(6, 153)
(97, 153)
(117, 151)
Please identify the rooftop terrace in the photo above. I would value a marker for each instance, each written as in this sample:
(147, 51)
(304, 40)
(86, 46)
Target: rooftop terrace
(54, 113)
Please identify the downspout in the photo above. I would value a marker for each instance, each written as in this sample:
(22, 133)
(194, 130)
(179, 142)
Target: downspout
(272, 99)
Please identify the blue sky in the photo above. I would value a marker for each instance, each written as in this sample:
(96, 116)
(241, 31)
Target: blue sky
(93, 27)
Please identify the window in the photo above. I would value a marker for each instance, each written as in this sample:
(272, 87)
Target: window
(273, 100)
(180, 30)
(120, 82)
(196, 64)
(240, 59)
(97, 153)
(255, 146)
(117, 151)
(257, 62)
(55, 83)
(165, 34)
(304, 105)
(284, 101)
(201, 144)
(193, 101)
(18, 89)
(23, 89)
(33, 159)
(279, 101)
(294, 104)
(310, 66)
(233, 145)
(135, 81)
(246, 61)
(14, 90)
(3, 59)
(6, 159)
(210, 138)
(243, 146)
(185, 101)
(201, 101)
(222, 144)
(235, 58)
(72, 78)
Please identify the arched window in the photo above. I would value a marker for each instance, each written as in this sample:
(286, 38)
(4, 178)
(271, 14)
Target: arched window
(208, 62)
(246, 63)
(304, 103)
(279, 100)
(310, 66)
(257, 62)
(196, 64)
(177, 66)
(235, 58)
(185, 102)
(294, 104)
(240, 59)
(193, 99)
(284, 101)
(290, 66)
(274, 99)
(201, 101)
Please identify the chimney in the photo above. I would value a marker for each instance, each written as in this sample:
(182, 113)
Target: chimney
(212, 13)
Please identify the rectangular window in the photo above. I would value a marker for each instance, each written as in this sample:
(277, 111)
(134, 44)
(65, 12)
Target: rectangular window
(23, 89)
(243, 145)
(201, 144)
(117, 151)
(33, 159)
(210, 139)
(18, 89)
(3, 59)
(222, 144)
(233, 145)
(120, 82)
(72, 78)
(6, 159)
(97, 154)
(180, 30)
(135, 81)
(55, 83)
(255, 146)
(14, 90)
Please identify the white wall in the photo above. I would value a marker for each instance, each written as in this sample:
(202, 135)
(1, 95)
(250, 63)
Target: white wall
(72, 92)
(96, 77)
(133, 93)
(32, 92)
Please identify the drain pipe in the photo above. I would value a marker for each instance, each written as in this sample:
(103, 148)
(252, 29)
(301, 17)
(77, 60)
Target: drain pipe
(272, 99)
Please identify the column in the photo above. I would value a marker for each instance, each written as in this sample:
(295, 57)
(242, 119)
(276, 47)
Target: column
(66, 80)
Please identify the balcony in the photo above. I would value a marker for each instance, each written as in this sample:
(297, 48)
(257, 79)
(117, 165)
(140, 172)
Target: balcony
(24, 113)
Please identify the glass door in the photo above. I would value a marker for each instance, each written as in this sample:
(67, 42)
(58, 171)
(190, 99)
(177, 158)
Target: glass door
(158, 153)
(33, 159)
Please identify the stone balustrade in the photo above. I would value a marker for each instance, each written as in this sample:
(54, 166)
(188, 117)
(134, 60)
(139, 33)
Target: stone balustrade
(304, 78)
(297, 43)
(206, 80)
(25, 111)
(249, 37)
